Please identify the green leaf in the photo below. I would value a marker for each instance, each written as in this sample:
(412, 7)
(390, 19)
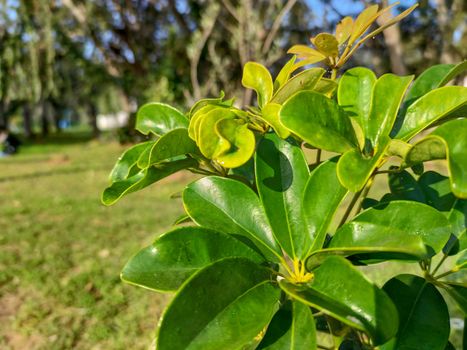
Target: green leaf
(458, 69)
(306, 80)
(355, 93)
(126, 164)
(458, 217)
(240, 140)
(143, 179)
(175, 143)
(341, 291)
(354, 169)
(429, 108)
(319, 121)
(397, 224)
(423, 314)
(210, 143)
(219, 102)
(196, 118)
(437, 191)
(363, 22)
(159, 118)
(454, 134)
(323, 195)
(257, 77)
(281, 175)
(229, 206)
(326, 87)
(284, 74)
(459, 293)
(178, 254)
(292, 328)
(270, 113)
(223, 306)
(404, 186)
(326, 44)
(429, 80)
(387, 97)
(428, 148)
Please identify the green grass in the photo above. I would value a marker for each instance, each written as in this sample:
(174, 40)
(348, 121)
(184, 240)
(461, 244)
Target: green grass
(61, 251)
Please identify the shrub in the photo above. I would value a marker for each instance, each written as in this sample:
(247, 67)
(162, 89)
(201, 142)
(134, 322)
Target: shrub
(260, 265)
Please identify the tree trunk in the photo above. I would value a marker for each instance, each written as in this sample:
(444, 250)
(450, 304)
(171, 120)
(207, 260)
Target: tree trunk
(45, 119)
(392, 38)
(27, 121)
(93, 120)
(3, 117)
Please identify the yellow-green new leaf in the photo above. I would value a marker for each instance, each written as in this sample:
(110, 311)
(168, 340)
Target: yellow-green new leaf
(270, 114)
(306, 80)
(209, 141)
(284, 73)
(257, 77)
(306, 52)
(240, 141)
(326, 44)
(363, 22)
(344, 29)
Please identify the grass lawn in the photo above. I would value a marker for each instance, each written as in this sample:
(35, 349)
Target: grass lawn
(61, 251)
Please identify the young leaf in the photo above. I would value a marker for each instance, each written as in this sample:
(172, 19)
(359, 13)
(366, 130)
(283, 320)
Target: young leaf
(344, 29)
(387, 97)
(321, 198)
(223, 306)
(172, 144)
(292, 328)
(319, 121)
(326, 44)
(389, 224)
(355, 93)
(341, 291)
(429, 108)
(281, 175)
(159, 119)
(126, 164)
(306, 80)
(307, 53)
(240, 140)
(143, 179)
(257, 77)
(270, 113)
(326, 87)
(423, 314)
(229, 206)
(426, 149)
(284, 73)
(178, 254)
(209, 141)
(364, 20)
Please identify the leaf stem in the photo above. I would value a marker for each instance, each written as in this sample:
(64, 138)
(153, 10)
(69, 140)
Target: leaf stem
(318, 156)
(444, 274)
(350, 207)
(443, 259)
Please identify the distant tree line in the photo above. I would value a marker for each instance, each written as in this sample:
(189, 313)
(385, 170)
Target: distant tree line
(80, 58)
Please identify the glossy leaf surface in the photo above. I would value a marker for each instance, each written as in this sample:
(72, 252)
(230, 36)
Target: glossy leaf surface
(240, 140)
(322, 196)
(454, 134)
(459, 293)
(292, 328)
(223, 306)
(387, 97)
(319, 121)
(395, 225)
(159, 118)
(143, 179)
(209, 141)
(172, 144)
(270, 114)
(178, 254)
(431, 107)
(284, 73)
(423, 314)
(355, 93)
(281, 176)
(306, 80)
(126, 165)
(341, 291)
(229, 206)
(257, 77)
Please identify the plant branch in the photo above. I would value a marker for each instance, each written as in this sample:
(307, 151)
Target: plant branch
(276, 25)
(350, 207)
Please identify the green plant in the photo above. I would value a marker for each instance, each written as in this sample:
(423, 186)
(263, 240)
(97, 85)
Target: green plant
(261, 268)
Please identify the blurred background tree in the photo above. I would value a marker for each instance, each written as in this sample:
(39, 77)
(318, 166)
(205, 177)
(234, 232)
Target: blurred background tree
(68, 61)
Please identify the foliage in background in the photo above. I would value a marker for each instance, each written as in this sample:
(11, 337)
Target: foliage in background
(258, 266)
